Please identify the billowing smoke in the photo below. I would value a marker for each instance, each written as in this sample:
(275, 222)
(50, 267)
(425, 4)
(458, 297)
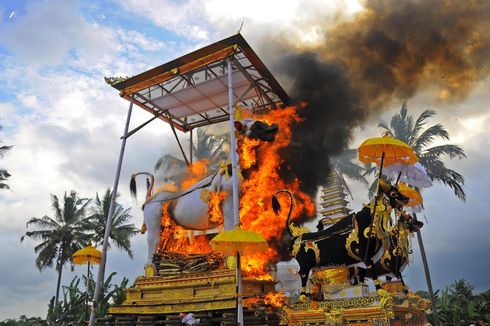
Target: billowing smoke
(390, 51)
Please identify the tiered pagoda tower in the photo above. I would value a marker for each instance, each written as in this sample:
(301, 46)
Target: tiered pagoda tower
(333, 203)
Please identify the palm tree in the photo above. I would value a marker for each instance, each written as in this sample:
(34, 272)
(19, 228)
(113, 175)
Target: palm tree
(121, 232)
(4, 175)
(413, 132)
(343, 163)
(60, 236)
(210, 147)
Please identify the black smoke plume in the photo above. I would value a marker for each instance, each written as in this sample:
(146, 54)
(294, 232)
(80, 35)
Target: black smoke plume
(388, 53)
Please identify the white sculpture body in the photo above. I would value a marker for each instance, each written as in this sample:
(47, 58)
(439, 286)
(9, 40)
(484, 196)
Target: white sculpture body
(188, 209)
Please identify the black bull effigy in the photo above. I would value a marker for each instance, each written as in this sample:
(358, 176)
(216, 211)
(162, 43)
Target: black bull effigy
(357, 238)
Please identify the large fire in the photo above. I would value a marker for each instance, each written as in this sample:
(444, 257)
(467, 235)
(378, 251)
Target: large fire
(261, 183)
(175, 238)
(262, 162)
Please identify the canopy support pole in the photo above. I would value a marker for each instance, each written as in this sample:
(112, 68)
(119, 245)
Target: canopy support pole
(180, 145)
(233, 150)
(141, 126)
(191, 145)
(108, 226)
(234, 178)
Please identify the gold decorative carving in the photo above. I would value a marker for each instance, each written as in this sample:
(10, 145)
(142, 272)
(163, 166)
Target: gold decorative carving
(204, 195)
(311, 245)
(352, 238)
(115, 80)
(296, 231)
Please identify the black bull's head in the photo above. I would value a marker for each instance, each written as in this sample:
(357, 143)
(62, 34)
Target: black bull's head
(396, 198)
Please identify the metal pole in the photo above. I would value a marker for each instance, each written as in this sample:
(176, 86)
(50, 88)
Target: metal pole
(239, 315)
(233, 150)
(427, 276)
(234, 179)
(100, 275)
(86, 294)
(191, 145)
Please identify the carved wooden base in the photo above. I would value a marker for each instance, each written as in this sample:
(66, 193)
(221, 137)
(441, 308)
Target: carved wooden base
(211, 291)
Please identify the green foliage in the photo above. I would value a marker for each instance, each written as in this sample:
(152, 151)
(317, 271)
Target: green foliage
(213, 148)
(344, 164)
(4, 175)
(73, 308)
(458, 306)
(60, 236)
(24, 321)
(121, 231)
(70, 230)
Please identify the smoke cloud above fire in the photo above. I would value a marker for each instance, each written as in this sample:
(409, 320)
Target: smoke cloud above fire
(389, 51)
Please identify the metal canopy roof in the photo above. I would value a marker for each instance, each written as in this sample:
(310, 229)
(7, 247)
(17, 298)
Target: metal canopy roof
(192, 91)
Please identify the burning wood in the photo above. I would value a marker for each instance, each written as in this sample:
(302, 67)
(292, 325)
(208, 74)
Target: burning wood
(175, 264)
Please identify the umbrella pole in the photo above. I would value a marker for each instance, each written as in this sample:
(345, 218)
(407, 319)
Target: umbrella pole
(374, 207)
(239, 305)
(86, 295)
(398, 178)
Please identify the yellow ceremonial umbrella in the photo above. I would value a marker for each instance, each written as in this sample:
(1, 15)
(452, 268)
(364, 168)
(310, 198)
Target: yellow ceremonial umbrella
(237, 242)
(386, 150)
(88, 255)
(415, 198)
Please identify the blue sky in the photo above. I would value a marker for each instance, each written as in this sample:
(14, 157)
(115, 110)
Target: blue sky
(65, 123)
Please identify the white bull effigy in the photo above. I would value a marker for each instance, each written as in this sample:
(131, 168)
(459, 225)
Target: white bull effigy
(190, 208)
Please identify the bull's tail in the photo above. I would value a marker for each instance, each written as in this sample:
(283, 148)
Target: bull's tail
(149, 189)
(149, 184)
(276, 206)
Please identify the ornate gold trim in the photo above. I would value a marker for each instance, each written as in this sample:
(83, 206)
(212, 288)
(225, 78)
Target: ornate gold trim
(353, 238)
(311, 245)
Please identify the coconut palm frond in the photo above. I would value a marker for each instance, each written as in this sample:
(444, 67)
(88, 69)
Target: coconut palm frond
(352, 171)
(437, 171)
(121, 232)
(429, 135)
(420, 122)
(413, 133)
(451, 150)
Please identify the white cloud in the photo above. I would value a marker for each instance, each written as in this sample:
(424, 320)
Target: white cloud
(185, 18)
(47, 31)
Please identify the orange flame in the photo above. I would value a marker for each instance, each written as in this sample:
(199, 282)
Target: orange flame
(263, 161)
(174, 238)
(271, 299)
(214, 207)
(275, 299)
(196, 172)
(167, 186)
(261, 183)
